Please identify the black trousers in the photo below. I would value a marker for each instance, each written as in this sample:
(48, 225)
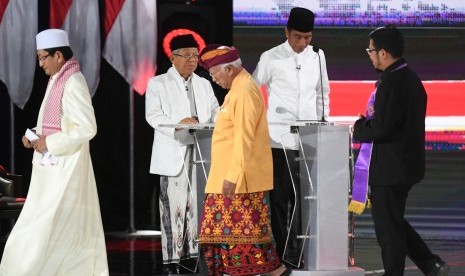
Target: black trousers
(282, 202)
(395, 235)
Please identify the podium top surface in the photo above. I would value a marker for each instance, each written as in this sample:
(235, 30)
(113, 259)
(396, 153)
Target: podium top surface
(295, 123)
(301, 123)
(312, 123)
(189, 126)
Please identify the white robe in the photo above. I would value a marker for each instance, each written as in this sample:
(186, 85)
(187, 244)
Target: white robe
(59, 231)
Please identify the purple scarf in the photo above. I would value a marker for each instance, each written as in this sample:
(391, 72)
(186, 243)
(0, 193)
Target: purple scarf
(362, 166)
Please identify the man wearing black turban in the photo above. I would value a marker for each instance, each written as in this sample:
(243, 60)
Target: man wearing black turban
(296, 87)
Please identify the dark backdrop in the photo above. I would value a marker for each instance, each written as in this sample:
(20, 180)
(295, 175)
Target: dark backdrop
(110, 147)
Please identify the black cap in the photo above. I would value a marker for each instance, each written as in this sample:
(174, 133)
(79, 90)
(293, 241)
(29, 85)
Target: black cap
(301, 19)
(183, 41)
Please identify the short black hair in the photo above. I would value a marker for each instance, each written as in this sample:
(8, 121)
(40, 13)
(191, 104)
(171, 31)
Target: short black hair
(390, 39)
(65, 50)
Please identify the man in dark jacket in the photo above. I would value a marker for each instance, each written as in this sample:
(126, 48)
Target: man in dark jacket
(394, 128)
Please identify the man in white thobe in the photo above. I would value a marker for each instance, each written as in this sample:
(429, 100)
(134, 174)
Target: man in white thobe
(59, 231)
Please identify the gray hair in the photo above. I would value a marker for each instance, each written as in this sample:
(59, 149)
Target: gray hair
(236, 63)
(177, 51)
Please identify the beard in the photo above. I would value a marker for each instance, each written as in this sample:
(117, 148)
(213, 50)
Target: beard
(376, 65)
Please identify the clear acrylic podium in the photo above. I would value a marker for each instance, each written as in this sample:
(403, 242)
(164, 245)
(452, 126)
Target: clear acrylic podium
(324, 184)
(202, 134)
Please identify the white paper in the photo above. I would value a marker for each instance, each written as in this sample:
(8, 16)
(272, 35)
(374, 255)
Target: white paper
(30, 135)
(47, 157)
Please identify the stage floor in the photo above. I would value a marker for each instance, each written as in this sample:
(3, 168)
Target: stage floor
(436, 208)
(141, 256)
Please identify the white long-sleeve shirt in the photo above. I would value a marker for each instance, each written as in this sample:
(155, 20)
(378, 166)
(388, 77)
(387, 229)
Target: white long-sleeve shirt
(294, 89)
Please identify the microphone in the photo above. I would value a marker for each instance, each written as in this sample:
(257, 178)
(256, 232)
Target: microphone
(297, 65)
(316, 49)
(283, 110)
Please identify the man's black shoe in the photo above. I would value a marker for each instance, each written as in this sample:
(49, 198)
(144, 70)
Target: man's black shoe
(170, 269)
(440, 269)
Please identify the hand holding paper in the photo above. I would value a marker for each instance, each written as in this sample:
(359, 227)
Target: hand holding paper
(47, 157)
(30, 135)
(37, 141)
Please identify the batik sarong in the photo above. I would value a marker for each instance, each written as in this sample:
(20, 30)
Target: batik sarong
(178, 212)
(235, 235)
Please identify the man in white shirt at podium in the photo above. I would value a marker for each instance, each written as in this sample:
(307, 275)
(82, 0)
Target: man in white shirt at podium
(178, 96)
(295, 76)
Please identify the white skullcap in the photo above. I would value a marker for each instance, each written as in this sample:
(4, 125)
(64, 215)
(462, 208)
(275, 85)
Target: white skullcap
(51, 38)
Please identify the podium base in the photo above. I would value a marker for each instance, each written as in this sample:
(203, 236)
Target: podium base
(351, 271)
(138, 233)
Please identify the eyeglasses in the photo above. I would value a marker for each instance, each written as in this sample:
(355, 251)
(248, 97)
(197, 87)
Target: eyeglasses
(216, 73)
(188, 57)
(370, 50)
(42, 59)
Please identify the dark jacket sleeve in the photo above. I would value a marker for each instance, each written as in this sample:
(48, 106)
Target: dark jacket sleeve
(397, 129)
(389, 113)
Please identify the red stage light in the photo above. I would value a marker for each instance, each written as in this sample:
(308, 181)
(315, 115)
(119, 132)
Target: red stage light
(174, 33)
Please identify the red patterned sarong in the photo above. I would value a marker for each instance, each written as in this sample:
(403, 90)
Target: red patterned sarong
(235, 235)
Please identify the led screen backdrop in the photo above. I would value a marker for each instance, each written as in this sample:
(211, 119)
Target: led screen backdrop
(434, 34)
(355, 13)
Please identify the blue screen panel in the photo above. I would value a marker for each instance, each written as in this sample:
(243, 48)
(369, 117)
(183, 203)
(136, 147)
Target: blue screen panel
(354, 13)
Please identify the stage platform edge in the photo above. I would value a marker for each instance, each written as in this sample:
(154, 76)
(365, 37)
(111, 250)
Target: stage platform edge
(351, 271)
